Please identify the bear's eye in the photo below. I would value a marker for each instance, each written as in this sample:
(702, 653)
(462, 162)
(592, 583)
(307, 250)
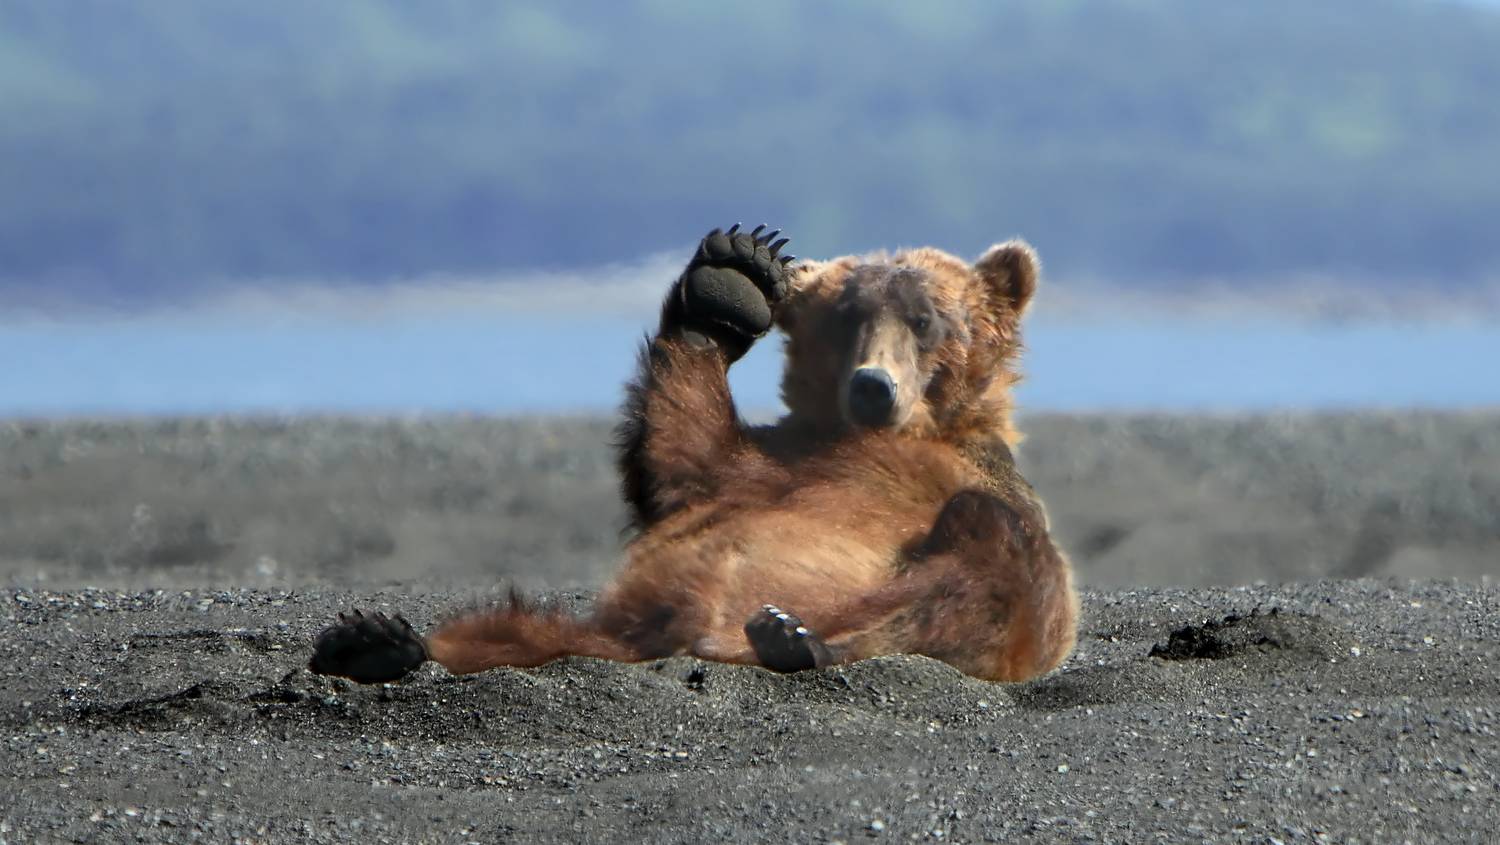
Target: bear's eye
(921, 323)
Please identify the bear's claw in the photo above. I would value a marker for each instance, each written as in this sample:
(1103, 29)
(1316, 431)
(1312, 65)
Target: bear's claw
(368, 649)
(734, 283)
(783, 643)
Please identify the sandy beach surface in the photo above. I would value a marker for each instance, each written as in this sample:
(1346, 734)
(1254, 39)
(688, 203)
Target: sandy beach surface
(163, 582)
(1339, 711)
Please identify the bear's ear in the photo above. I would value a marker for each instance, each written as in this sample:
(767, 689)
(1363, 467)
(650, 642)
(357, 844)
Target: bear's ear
(1010, 270)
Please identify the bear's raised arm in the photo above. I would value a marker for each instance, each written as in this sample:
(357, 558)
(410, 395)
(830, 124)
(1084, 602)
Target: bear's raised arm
(680, 426)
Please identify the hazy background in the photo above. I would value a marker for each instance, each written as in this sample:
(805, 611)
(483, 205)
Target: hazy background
(1275, 212)
(379, 205)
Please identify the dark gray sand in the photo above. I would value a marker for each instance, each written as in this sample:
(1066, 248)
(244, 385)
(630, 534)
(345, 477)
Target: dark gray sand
(457, 502)
(1359, 710)
(1355, 711)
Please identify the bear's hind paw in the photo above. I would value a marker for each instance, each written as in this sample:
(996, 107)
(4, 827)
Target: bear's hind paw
(782, 643)
(368, 649)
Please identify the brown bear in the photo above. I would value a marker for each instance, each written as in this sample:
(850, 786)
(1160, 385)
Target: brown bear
(884, 512)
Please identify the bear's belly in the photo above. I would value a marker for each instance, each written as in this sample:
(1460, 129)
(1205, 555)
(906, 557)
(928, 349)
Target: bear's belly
(809, 552)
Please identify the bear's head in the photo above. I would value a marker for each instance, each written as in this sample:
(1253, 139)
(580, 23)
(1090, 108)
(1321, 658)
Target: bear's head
(917, 340)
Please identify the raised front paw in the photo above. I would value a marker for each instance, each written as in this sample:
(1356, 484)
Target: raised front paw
(733, 284)
(783, 643)
(369, 649)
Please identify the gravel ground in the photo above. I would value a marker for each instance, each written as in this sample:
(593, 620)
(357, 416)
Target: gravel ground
(162, 581)
(1353, 711)
(454, 502)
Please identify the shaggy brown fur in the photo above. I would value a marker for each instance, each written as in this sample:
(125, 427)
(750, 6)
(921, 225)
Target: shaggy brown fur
(912, 534)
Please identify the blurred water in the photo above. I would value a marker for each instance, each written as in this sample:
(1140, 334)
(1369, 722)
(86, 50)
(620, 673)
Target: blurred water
(494, 363)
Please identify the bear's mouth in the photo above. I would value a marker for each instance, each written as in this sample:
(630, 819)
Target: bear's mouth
(883, 382)
(871, 398)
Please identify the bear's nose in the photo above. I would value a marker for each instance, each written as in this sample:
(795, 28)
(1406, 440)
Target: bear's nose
(872, 396)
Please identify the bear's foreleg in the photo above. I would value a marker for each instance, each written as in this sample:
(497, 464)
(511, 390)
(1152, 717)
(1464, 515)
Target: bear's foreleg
(680, 427)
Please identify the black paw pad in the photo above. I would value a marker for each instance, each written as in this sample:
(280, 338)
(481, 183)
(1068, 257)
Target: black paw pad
(368, 649)
(783, 643)
(735, 281)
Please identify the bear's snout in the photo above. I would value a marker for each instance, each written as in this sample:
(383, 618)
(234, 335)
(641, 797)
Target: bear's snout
(872, 397)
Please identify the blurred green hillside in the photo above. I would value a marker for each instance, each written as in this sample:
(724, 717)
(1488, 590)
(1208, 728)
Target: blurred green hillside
(149, 148)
